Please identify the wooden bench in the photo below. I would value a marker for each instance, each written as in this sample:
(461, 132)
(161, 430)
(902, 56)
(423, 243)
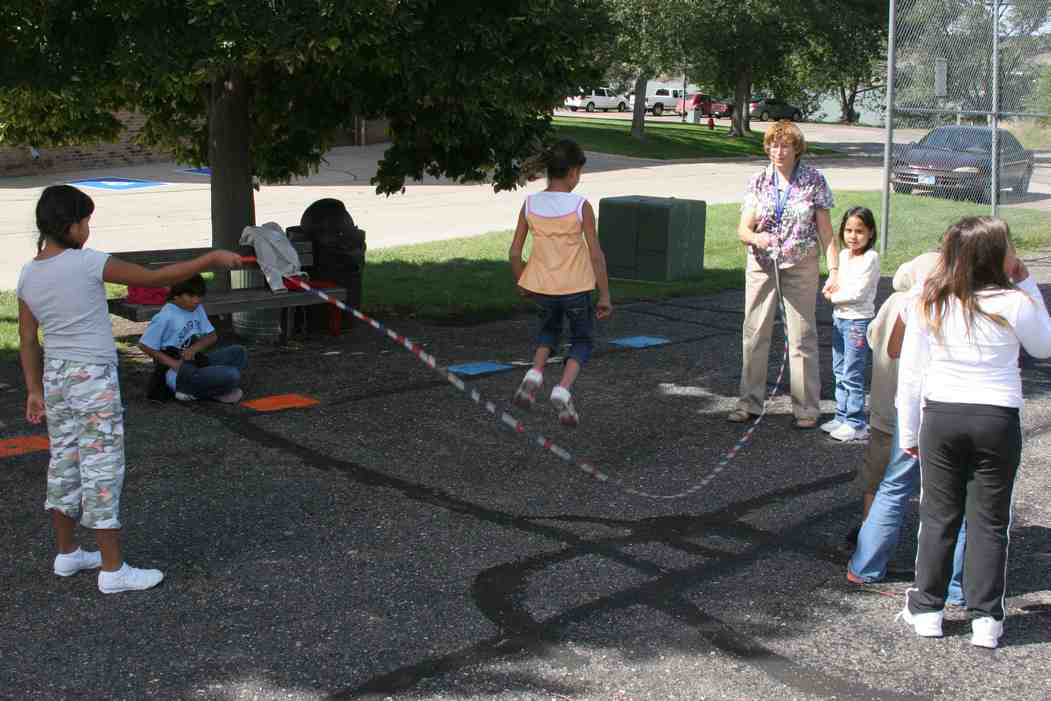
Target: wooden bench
(222, 302)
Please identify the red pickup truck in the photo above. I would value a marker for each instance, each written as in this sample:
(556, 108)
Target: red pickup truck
(706, 104)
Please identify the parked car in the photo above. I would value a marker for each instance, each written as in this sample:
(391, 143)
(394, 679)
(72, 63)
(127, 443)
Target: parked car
(705, 104)
(767, 108)
(597, 99)
(958, 160)
(659, 100)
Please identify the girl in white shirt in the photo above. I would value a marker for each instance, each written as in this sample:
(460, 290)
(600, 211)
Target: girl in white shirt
(72, 380)
(959, 362)
(854, 302)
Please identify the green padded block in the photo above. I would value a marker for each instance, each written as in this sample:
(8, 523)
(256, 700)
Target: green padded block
(652, 238)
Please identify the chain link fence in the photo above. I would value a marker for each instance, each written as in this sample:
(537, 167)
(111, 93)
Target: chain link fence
(969, 118)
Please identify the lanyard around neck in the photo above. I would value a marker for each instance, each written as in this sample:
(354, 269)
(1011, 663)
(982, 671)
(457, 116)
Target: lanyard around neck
(781, 198)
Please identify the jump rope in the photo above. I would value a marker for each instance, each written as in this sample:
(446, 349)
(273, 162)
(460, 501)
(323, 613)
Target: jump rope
(545, 443)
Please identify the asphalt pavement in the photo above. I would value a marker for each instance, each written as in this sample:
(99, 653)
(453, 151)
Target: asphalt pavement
(394, 541)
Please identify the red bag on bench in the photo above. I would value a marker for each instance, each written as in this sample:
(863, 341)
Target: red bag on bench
(147, 295)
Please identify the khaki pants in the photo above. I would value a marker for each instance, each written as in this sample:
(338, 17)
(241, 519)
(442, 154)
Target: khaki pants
(799, 286)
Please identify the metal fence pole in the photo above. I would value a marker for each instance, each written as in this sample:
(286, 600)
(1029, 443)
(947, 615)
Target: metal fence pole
(994, 182)
(888, 145)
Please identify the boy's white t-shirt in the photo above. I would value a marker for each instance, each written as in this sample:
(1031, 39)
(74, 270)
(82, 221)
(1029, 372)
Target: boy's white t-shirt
(67, 296)
(174, 327)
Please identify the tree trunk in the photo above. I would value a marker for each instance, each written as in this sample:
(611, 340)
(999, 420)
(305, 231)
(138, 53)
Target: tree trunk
(847, 99)
(852, 115)
(230, 159)
(233, 198)
(739, 122)
(638, 117)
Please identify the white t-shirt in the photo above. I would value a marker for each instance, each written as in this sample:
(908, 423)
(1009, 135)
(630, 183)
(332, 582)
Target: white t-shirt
(858, 279)
(555, 204)
(976, 368)
(67, 296)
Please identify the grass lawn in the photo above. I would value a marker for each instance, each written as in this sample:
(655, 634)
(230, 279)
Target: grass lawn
(469, 280)
(664, 140)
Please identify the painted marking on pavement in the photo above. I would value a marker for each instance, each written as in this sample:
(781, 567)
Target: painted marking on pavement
(10, 447)
(481, 368)
(279, 402)
(117, 183)
(639, 341)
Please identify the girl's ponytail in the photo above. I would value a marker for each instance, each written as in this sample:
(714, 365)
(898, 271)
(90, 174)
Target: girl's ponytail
(557, 159)
(533, 166)
(59, 208)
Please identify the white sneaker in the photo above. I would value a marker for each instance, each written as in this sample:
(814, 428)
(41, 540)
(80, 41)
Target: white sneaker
(231, 397)
(182, 397)
(567, 413)
(525, 395)
(926, 625)
(847, 433)
(69, 564)
(986, 632)
(830, 426)
(128, 578)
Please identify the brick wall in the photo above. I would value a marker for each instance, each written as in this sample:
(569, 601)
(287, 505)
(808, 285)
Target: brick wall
(17, 160)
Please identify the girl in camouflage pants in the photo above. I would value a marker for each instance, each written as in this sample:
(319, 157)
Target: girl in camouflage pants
(73, 379)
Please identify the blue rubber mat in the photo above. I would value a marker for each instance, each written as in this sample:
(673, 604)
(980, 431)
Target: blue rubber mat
(639, 341)
(204, 170)
(481, 368)
(117, 183)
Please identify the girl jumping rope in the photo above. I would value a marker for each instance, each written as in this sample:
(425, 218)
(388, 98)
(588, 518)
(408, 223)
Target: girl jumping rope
(74, 380)
(565, 266)
(854, 302)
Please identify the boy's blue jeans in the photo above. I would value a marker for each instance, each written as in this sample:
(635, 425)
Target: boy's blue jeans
(222, 374)
(579, 310)
(850, 355)
(879, 534)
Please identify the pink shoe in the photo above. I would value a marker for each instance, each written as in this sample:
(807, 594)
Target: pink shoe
(567, 413)
(525, 396)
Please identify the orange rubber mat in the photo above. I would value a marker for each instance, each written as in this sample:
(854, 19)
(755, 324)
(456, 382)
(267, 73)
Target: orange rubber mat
(280, 401)
(10, 447)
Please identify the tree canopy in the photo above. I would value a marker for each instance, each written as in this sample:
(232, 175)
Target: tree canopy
(261, 88)
(960, 33)
(647, 39)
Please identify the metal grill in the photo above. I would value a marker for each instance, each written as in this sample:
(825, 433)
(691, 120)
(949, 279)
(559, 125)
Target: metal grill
(969, 95)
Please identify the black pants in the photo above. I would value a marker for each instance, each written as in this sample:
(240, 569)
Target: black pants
(969, 455)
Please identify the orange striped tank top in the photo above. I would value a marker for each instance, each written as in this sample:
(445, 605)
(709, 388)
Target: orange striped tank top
(560, 263)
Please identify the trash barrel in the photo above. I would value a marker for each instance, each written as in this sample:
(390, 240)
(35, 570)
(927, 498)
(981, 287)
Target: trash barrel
(339, 258)
(652, 238)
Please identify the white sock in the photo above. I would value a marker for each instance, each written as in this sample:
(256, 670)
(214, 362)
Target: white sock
(75, 553)
(535, 375)
(560, 392)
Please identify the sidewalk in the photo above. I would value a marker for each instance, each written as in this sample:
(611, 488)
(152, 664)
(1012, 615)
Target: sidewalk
(177, 214)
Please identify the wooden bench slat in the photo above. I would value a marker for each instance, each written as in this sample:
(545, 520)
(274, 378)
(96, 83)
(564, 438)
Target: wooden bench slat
(231, 301)
(156, 259)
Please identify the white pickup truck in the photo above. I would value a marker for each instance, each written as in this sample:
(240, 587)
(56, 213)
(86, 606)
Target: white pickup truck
(659, 100)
